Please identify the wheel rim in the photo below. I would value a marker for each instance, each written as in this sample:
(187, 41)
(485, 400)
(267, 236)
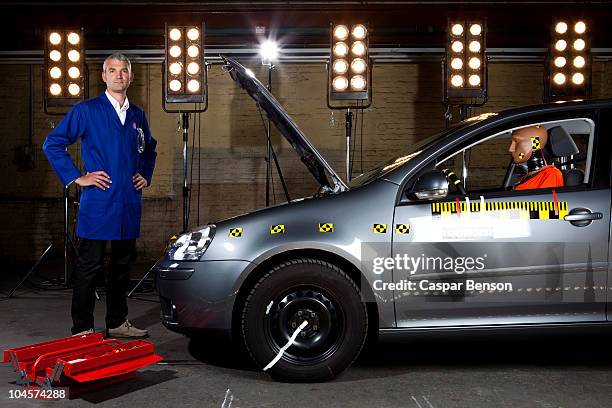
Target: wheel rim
(320, 338)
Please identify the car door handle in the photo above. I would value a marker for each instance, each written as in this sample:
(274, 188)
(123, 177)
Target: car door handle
(581, 217)
(584, 217)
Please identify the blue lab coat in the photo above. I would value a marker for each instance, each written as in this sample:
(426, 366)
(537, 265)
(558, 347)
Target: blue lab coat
(106, 144)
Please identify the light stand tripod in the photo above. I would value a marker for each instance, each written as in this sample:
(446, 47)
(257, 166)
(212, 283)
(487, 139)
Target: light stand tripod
(184, 113)
(348, 116)
(348, 100)
(270, 154)
(67, 245)
(185, 127)
(59, 106)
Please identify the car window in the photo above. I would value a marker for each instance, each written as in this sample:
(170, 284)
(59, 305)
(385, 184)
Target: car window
(488, 163)
(484, 165)
(412, 151)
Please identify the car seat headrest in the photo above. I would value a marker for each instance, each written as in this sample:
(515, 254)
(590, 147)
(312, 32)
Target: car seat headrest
(561, 143)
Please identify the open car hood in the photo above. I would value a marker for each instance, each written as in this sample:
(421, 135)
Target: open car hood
(310, 156)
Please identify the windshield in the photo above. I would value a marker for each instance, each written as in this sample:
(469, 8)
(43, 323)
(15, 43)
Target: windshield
(387, 166)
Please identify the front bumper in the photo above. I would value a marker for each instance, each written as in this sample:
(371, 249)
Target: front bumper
(198, 295)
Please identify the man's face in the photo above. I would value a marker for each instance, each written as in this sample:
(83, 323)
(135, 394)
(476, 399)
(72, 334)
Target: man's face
(117, 76)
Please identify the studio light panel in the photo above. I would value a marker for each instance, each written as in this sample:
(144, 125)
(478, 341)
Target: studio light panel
(465, 62)
(349, 75)
(568, 65)
(65, 70)
(184, 68)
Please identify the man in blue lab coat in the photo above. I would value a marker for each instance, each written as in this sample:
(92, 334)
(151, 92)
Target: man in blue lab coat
(119, 157)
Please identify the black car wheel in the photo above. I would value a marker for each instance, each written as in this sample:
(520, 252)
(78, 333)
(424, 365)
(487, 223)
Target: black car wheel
(304, 290)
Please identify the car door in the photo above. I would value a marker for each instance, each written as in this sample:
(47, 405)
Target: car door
(506, 257)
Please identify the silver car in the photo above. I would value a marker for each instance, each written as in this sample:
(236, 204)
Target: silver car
(401, 251)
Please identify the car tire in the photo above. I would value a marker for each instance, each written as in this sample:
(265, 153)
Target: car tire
(298, 290)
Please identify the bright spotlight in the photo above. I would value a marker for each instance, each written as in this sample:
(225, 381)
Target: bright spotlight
(359, 32)
(457, 81)
(358, 48)
(74, 55)
(358, 66)
(341, 32)
(175, 85)
(193, 85)
(268, 51)
(74, 89)
(55, 89)
(474, 63)
(559, 78)
(578, 78)
(580, 27)
(579, 62)
(55, 73)
(340, 83)
(560, 62)
(175, 34)
(340, 49)
(55, 38)
(175, 68)
(475, 29)
(74, 72)
(358, 83)
(457, 46)
(193, 34)
(55, 55)
(74, 38)
(193, 51)
(561, 45)
(340, 67)
(561, 27)
(175, 51)
(474, 46)
(457, 29)
(193, 68)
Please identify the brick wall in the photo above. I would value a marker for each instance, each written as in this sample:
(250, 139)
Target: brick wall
(230, 141)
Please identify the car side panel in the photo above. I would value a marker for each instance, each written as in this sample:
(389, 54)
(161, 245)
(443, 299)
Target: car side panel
(347, 222)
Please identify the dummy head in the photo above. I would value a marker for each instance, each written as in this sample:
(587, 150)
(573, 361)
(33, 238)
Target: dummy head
(527, 141)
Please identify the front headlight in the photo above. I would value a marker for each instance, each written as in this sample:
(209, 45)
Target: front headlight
(192, 245)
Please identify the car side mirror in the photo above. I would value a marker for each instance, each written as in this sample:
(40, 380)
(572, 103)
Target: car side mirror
(432, 185)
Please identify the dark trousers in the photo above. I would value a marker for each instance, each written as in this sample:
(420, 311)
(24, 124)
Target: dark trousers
(90, 263)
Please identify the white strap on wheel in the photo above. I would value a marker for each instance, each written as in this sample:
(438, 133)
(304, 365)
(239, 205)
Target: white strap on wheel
(286, 346)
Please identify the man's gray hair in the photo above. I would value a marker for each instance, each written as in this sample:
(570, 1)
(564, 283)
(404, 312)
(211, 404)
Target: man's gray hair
(118, 57)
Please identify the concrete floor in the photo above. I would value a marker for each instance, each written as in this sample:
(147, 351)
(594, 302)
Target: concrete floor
(561, 372)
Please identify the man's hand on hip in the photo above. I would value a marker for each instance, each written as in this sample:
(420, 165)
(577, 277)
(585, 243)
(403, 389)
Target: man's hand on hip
(139, 181)
(96, 178)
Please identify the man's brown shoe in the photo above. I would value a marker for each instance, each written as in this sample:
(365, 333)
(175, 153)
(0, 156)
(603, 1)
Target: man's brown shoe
(128, 331)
